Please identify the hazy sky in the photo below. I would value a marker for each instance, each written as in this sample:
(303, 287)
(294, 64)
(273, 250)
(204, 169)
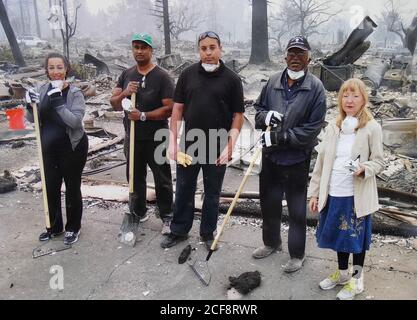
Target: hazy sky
(95, 5)
(351, 11)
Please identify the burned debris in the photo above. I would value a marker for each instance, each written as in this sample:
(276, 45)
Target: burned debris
(333, 70)
(96, 64)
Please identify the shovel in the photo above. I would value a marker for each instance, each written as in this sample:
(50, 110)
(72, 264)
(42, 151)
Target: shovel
(41, 165)
(130, 225)
(38, 252)
(201, 268)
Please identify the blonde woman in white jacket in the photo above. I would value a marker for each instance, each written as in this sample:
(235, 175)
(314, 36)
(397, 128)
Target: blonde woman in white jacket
(343, 186)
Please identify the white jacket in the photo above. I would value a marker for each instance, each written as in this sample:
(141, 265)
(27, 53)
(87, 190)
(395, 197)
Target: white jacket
(368, 145)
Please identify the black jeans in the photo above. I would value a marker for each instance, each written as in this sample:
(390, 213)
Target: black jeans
(275, 180)
(182, 221)
(67, 166)
(144, 156)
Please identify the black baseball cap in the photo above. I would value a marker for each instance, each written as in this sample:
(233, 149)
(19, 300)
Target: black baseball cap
(298, 42)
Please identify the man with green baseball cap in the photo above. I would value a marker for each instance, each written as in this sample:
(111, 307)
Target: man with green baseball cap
(144, 37)
(154, 90)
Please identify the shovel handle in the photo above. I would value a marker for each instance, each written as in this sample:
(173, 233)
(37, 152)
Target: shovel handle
(41, 165)
(132, 148)
(236, 198)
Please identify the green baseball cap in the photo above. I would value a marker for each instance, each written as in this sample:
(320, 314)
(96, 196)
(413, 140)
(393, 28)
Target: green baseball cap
(144, 37)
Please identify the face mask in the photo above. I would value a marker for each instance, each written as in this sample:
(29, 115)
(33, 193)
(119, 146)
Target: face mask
(295, 75)
(210, 67)
(349, 125)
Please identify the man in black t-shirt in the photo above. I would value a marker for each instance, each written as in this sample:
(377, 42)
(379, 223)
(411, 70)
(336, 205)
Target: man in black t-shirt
(154, 92)
(209, 97)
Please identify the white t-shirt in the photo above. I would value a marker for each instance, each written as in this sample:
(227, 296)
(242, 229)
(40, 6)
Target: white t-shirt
(341, 181)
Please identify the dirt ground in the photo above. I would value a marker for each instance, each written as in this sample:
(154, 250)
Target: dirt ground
(98, 267)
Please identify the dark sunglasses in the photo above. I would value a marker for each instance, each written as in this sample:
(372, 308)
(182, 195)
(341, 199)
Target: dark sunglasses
(209, 34)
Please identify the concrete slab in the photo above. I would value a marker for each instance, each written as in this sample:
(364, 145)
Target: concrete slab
(98, 267)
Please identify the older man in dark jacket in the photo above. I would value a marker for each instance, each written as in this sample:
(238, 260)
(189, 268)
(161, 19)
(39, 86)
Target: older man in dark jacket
(293, 104)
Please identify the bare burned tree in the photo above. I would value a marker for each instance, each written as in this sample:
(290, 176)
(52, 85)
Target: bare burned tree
(392, 20)
(309, 15)
(22, 17)
(281, 23)
(178, 19)
(162, 11)
(8, 30)
(38, 27)
(53, 31)
(69, 28)
(184, 18)
(411, 36)
(260, 45)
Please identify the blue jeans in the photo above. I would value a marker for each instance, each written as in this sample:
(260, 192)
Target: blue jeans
(184, 206)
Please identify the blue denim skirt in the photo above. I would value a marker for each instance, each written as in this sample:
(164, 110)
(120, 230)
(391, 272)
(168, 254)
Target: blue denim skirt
(340, 230)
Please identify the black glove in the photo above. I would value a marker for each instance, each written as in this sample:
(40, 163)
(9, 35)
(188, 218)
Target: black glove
(274, 138)
(55, 98)
(57, 101)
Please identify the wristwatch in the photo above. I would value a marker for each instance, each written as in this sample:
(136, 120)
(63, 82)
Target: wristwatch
(143, 116)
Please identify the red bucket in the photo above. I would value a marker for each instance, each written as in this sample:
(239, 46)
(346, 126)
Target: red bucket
(16, 118)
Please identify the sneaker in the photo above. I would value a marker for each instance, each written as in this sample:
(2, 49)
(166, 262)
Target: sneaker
(208, 244)
(335, 279)
(172, 240)
(71, 237)
(166, 228)
(45, 236)
(145, 218)
(293, 265)
(265, 251)
(351, 289)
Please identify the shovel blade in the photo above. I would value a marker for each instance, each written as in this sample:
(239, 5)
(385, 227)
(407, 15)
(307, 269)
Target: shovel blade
(46, 250)
(201, 269)
(129, 229)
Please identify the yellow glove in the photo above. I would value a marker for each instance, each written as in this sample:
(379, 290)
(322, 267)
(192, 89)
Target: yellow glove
(184, 159)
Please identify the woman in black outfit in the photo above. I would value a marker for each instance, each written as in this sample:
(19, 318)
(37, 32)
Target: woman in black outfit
(64, 146)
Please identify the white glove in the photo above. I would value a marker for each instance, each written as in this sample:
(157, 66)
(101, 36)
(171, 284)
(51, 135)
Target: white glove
(127, 105)
(57, 84)
(55, 91)
(56, 88)
(273, 118)
(32, 96)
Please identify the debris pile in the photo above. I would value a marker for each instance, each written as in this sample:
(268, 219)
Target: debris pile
(98, 65)
(246, 282)
(7, 182)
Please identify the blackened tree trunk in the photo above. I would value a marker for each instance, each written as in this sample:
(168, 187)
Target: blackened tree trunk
(167, 29)
(22, 17)
(38, 27)
(8, 30)
(260, 48)
(64, 33)
(69, 29)
(53, 31)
